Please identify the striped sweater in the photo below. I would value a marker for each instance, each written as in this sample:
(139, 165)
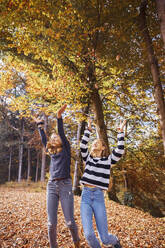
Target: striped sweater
(97, 170)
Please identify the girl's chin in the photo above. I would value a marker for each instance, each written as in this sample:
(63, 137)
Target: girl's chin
(56, 144)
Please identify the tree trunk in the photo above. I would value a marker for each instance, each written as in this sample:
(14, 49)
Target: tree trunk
(96, 102)
(161, 14)
(36, 177)
(9, 172)
(43, 164)
(29, 164)
(124, 169)
(21, 149)
(99, 117)
(158, 91)
(79, 162)
(112, 191)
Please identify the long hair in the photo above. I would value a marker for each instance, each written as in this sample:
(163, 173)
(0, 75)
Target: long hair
(104, 153)
(52, 148)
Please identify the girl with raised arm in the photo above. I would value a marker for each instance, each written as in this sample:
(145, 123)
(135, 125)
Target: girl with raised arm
(95, 180)
(59, 187)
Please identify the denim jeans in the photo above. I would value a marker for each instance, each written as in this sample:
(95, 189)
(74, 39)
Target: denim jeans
(60, 191)
(92, 203)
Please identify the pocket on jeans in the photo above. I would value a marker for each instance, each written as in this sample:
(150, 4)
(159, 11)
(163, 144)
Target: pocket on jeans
(99, 196)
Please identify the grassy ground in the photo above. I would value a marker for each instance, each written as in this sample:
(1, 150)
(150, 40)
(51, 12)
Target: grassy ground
(23, 221)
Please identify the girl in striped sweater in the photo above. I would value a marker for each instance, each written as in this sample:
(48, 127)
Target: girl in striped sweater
(96, 179)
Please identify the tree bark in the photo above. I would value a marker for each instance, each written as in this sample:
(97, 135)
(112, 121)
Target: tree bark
(158, 91)
(21, 149)
(29, 164)
(79, 162)
(161, 14)
(9, 172)
(96, 102)
(36, 177)
(112, 191)
(43, 164)
(124, 169)
(99, 117)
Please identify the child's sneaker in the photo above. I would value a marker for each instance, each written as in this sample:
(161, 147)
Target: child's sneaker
(117, 245)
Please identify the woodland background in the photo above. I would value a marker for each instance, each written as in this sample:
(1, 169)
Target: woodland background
(105, 59)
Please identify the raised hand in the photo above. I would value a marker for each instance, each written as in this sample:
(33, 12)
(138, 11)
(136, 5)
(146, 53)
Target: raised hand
(37, 120)
(90, 125)
(122, 125)
(61, 110)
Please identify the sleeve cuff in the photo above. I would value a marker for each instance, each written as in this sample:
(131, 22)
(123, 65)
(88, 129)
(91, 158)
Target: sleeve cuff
(40, 127)
(88, 131)
(40, 123)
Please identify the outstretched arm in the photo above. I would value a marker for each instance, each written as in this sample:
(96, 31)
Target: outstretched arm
(119, 151)
(84, 141)
(60, 125)
(90, 125)
(122, 125)
(40, 125)
(61, 110)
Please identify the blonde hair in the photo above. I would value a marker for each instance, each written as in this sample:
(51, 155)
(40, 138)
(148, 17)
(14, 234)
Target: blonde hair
(53, 149)
(104, 153)
(50, 149)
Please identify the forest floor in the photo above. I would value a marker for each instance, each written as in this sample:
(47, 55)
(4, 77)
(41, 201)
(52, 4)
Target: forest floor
(23, 222)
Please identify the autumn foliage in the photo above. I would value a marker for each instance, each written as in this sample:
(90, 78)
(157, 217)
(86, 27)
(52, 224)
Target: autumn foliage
(24, 223)
(93, 56)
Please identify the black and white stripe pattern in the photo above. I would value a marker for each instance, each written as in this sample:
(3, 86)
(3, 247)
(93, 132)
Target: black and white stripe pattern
(97, 170)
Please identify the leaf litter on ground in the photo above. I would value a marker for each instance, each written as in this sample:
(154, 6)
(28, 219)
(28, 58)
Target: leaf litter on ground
(23, 223)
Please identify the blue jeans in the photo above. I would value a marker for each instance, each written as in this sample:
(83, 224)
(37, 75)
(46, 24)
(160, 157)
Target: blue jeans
(60, 191)
(92, 203)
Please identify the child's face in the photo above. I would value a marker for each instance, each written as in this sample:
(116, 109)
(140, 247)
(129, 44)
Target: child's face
(97, 145)
(55, 140)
